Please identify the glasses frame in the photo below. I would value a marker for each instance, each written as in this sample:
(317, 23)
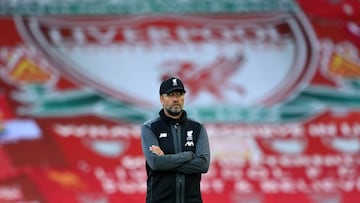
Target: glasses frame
(175, 94)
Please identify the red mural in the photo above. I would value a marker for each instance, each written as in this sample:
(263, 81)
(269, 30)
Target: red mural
(278, 93)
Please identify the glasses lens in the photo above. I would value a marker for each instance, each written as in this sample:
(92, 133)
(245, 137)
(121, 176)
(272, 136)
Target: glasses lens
(175, 94)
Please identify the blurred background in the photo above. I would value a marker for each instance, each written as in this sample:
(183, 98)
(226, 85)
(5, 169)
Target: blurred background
(276, 83)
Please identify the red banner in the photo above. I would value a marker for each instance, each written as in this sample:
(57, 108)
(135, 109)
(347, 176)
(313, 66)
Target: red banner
(277, 91)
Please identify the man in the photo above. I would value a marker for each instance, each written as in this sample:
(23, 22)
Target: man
(176, 150)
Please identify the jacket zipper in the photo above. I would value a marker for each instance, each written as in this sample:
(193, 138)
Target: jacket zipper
(179, 176)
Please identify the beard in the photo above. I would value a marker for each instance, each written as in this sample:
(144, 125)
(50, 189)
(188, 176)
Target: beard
(174, 110)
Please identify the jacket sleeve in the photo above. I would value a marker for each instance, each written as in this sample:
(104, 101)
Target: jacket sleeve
(202, 161)
(164, 162)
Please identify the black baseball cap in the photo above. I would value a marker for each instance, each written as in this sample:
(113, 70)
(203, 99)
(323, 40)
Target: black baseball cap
(171, 85)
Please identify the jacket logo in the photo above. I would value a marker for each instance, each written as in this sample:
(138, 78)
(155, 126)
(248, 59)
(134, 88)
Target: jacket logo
(162, 135)
(189, 138)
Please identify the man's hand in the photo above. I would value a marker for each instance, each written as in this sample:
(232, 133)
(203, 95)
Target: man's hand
(156, 150)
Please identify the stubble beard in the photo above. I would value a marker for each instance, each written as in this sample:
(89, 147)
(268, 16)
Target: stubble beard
(174, 110)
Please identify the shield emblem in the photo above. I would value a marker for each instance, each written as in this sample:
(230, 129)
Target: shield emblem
(223, 60)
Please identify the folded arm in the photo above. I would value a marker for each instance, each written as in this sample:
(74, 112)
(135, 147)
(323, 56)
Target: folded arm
(161, 161)
(201, 162)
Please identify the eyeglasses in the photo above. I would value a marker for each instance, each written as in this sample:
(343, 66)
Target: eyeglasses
(175, 94)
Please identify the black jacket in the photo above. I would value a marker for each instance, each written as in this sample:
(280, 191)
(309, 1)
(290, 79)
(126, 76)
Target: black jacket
(175, 177)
